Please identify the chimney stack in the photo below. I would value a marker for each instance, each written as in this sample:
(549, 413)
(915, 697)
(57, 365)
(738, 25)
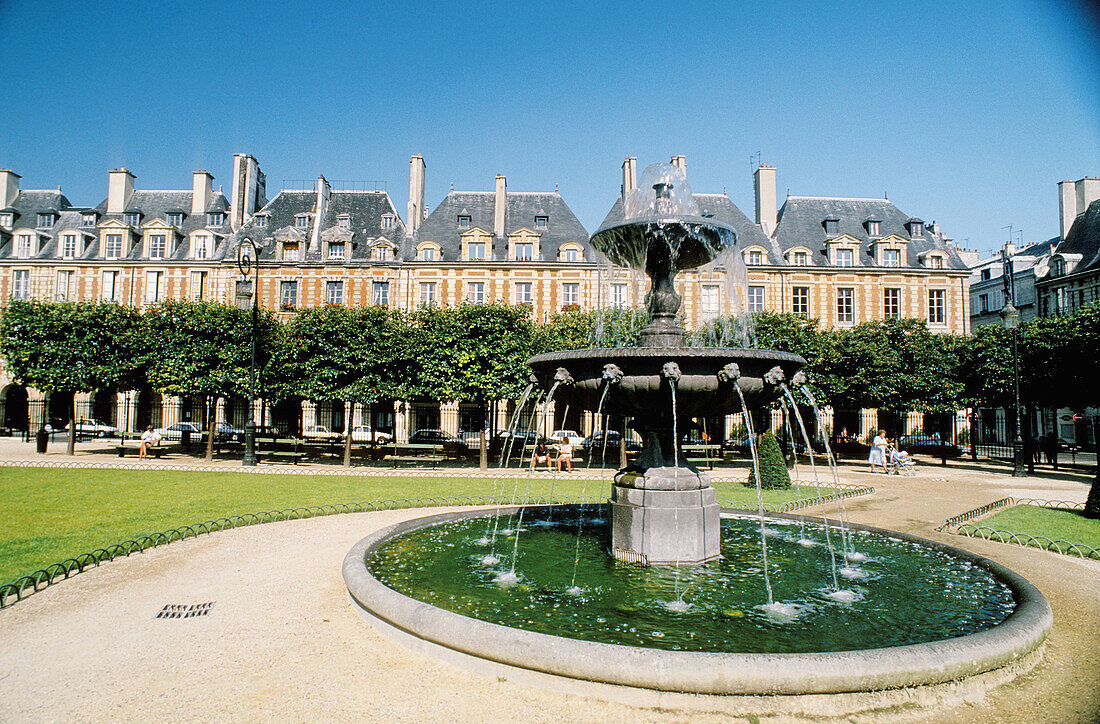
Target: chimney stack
(500, 206)
(416, 213)
(120, 187)
(202, 191)
(764, 184)
(630, 176)
(9, 187)
(249, 193)
(320, 209)
(680, 162)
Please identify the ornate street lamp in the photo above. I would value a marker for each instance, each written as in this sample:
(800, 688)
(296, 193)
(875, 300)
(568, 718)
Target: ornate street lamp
(248, 262)
(1011, 317)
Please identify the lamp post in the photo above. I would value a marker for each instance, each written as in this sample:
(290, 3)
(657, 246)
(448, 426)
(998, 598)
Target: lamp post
(1011, 317)
(248, 263)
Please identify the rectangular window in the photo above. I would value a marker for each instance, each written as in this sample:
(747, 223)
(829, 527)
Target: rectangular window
(832, 226)
(618, 295)
(131, 218)
(288, 294)
(380, 294)
(843, 257)
(175, 219)
(891, 257)
(261, 220)
(523, 292)
(215, 219)
(756, 299)
(154, 286)
(113, 247)
(524, 251)
(873, 228)
(427, 293)
(336, 250)
(198, 285)
(983, 303)
(290, 251)
(891, 303)
(202, 247)
(87, 220)
(936, 313)
(464, 222)
(800, 301)
(475, 292)
(756, 257)
(344, 222)
(801, 258)
(68, 246)
(541, 221)
(6, 219)
(381, 252)
(108, 287)
(427, 253)
(475, 251)
(570, 255)
(157, 246)
(709, 298)
(570, 294)
(302, 221)
(64, 285)
(845, 307)
(387, 221)
(937, 262)
(986, 274)
(25, 246)
(20, 284)
(334, 292)
(45, 221)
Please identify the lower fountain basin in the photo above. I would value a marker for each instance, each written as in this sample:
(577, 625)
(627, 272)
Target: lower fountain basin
(633, 661)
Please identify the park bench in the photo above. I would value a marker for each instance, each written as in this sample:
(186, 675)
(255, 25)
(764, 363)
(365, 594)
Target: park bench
(703, 454)
(415, 453)
(282, 456)
(155, 450)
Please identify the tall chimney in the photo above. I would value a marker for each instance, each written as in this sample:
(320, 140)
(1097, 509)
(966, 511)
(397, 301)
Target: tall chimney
(417, 169)
(249, 192)
(679, 162)
(320, 209)
(1088, 190)
(9, 187)
(764, 184)
(1067, 205)
(120, 187)
(630, 175)
(499, 207)
(202, 190)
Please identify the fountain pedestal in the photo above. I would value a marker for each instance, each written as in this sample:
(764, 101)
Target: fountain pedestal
(674, 527)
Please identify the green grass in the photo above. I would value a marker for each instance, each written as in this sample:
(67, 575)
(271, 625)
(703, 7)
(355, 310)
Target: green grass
(51, 514)
(1054, 523)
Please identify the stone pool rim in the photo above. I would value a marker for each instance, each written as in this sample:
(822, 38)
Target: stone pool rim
(934, 662)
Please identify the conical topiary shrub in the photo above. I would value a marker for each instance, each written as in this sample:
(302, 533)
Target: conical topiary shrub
(773, 469)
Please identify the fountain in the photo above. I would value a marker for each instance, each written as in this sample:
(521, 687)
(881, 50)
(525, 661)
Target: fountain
(664, 591)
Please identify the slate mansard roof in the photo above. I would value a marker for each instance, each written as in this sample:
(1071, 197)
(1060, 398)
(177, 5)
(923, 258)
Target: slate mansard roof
(719, 207)
(801, 223)
(521, 208)
(157, 205)
(26, 207)
(365, 210)
(1084, 238)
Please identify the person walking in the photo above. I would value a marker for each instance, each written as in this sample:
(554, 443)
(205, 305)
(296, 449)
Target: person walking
(877, 458)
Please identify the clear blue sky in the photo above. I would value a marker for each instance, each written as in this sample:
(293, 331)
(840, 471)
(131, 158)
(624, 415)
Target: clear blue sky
(964, 113)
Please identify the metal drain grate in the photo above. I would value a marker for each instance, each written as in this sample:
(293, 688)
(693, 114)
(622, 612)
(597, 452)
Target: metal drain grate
(183, 610)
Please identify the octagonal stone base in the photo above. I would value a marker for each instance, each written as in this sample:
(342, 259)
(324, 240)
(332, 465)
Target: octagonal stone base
(673, 527)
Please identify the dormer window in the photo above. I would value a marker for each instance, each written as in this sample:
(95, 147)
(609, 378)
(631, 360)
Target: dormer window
(290, 251)
(915, 227)
(873, 227)
(427, 253)
(69, 246)
(988, 273)
(570, 255)
(7, 219)
(387, 221)
(215, 218)
(541, 222)
(524, 251)
(343, 221)
(301, 221)
(891, 257)
(45, 219)
(801, 258)
(261, 221)
(463, 222)
(200, 248)
(175, 218)
(336, 250)
(832, 225)
(756, 257)
(381, 252)
(158, 246)
(131, 218)
(475, 251)
(24, 246)
(842, 257)
(87, 219)
(937, 262)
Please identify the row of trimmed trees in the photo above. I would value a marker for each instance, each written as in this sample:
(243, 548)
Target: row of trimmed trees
(476, 353)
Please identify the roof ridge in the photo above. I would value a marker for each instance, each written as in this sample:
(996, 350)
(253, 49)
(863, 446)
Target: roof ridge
(838, 198)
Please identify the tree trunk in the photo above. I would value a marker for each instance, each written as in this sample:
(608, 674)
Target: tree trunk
(349, 415)
(483, 459)
(211, 411)
(70, 448)
(1092, 504)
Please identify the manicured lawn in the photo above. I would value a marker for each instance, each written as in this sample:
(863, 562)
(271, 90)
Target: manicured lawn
(50, 514)
(1054, 523)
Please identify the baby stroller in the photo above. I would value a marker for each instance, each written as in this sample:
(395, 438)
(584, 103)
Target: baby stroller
(899, 462)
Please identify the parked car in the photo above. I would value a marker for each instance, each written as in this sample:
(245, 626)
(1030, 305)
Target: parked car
(593, 445)
(174, 432)
(929, 445)
(575, 438)
(86, 428)
(322, 433)
(740, 445)
(224, 432)
(450, 443)
(363, 433)
(515, 442)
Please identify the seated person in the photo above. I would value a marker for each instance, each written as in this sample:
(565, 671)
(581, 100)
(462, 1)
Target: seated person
(541, 453)
(148, 438)
(900, 457)
(565, 454)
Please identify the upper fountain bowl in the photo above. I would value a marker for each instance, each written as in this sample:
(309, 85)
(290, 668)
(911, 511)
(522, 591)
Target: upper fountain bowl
(662, 223)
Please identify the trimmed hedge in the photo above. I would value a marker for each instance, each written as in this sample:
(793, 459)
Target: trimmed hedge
(773, 468)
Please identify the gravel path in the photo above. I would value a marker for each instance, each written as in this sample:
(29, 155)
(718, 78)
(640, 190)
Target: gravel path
(282, 642)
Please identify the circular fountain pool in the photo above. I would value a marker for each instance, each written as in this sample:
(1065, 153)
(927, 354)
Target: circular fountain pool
(902, 612)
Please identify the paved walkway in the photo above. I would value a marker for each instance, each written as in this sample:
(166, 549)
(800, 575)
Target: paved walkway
(282, 642)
